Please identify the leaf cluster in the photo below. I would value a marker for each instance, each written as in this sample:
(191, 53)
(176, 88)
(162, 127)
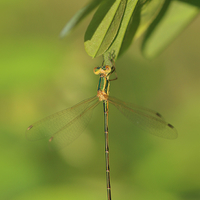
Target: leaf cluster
(116, 23)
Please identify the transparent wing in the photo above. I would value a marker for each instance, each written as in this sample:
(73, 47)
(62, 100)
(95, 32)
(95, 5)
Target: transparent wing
(147, 119)
(65, 126)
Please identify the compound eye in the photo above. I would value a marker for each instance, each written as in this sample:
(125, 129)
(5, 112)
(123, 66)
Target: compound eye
(108, 69)
(97, 70)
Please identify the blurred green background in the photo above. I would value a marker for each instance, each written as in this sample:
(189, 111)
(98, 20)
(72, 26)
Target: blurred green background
(41, 74)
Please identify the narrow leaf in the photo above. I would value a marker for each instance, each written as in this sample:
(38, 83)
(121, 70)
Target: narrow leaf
(116, 45)
(161, 33)
(104, 27)
(79, 16)
(149, 12)
(192, 2)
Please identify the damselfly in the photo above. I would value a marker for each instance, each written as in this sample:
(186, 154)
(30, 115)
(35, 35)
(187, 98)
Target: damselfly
(65, 126)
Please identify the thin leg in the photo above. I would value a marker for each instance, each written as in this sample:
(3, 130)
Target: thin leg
(105, 105)
(113, 68)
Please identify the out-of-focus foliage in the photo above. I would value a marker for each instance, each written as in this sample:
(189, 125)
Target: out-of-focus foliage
(41, 74)
(116, 23)
(174, 18)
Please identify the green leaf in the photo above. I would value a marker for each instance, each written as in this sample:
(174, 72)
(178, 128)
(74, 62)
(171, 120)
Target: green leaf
(144, 13)
(79, 16)
(104, 27)
(164, 29)
(149, 12)
(131, 30)
(121, 36)
(137, 17)
(192, 2)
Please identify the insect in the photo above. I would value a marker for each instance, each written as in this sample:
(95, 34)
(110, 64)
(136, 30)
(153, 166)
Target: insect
(65, 126)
